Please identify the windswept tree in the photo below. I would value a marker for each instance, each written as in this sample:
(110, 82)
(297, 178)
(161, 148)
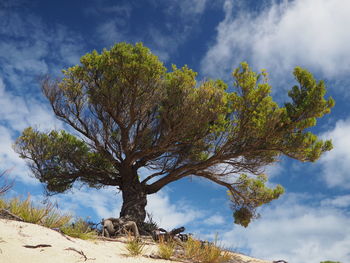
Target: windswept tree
(132, 113)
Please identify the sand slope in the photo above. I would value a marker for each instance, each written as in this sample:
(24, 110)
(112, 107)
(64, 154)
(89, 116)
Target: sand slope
(15, 235)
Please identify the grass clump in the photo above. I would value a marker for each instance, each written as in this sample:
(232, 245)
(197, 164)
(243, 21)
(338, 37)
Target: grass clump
(3, 204)
(135, 246)
(56, 219)
(46, 215)
(79, 229)
(166, 249)
(205, 252)
(27, 211)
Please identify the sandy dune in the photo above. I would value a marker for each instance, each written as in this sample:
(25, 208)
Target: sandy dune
(15, 235)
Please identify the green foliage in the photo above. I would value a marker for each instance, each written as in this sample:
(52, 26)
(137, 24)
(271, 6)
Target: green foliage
(79, 229)
(132, 113)
(135, 246)
(254, 193)
(328, 261)
(61, 158)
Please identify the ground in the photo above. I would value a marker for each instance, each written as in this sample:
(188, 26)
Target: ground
(14, 235)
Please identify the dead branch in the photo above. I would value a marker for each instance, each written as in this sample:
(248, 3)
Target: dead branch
(6, 185)
(5, 214)
(80, 253)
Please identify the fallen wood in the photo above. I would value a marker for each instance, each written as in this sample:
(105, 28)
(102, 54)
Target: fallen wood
(80, 253)
(37, 246)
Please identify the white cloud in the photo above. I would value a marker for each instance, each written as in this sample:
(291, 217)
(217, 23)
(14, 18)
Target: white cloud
(110, 32)
(169, 215)
(10, 161)
(297, 231)
(310, 33)
(214, 220)
(189, 9)
(342, 201)
(180, 21)
(105, 202)
(19, 113)
(28, 49)
(335, 164)
(16, 114)
(274, 169)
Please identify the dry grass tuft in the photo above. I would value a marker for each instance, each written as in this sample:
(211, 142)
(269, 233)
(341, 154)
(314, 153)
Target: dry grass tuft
(135, 246)
(166, 249)
(205, 253)
(46, 215)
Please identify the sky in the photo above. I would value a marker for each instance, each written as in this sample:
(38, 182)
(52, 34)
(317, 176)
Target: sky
(311, 221)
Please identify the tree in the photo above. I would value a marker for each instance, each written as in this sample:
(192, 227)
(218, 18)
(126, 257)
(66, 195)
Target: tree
(132, 113)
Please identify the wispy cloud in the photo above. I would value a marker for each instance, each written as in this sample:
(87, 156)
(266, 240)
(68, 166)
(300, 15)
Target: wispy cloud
(296, 229)
(214, 220)
(335, 165)
(28, 50)
(188, 9)
(342, 201)
(16, 114)
(309, 33)
(179, 19)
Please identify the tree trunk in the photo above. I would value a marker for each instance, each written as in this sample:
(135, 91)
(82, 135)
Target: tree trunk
(134, 197)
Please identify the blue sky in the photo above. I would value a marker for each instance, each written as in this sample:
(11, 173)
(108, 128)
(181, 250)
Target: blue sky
(310, 223)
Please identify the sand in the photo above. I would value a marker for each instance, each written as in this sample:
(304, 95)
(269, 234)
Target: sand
(14, 235)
